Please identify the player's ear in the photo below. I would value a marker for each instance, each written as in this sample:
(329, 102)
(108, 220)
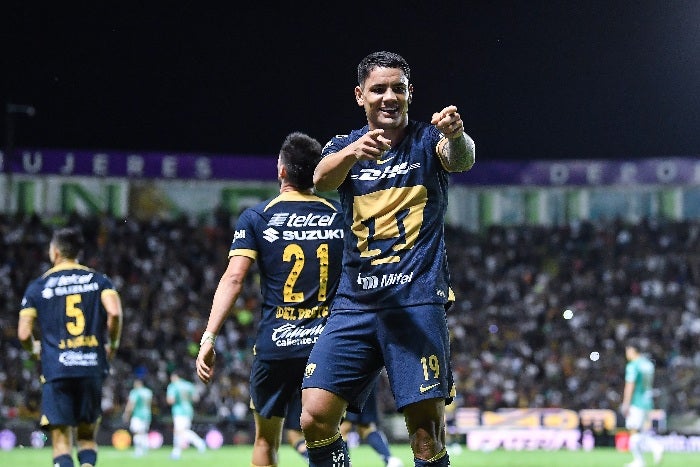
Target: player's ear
(281, 169)
(410, 93)
(358, 96)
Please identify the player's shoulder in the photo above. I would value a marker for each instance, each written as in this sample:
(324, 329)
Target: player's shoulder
(339, 141)
(326, 202)
(34, 284)
(258, 208)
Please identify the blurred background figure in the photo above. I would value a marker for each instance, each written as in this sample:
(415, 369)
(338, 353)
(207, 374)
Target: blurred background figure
(180, 395)
(637, 402)
(138, 413)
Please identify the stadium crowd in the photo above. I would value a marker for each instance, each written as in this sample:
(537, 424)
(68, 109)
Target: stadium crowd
(513, 345)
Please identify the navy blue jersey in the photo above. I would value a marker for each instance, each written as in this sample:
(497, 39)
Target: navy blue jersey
(67, 303)
(297, 240)
(394, 209)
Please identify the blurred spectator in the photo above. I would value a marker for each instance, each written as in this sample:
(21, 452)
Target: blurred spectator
(512, 345)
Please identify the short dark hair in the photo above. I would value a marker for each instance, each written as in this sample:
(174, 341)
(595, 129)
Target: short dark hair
(300, 154)
(68, 241)
(381, 59)
(634, 343)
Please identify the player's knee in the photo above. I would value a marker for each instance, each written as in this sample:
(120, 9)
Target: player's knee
(317, 423)
(85, 433)
(270, 444)
(308, 420)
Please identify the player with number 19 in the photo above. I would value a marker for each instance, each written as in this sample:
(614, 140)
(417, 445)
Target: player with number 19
(392, 176)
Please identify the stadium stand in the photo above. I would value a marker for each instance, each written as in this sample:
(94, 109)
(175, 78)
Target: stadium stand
(512, 346)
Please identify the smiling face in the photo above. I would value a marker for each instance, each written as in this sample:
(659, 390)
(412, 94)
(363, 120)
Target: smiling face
(385, 95)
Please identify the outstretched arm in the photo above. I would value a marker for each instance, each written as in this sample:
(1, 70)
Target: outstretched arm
(333, 168)
(226, 294)
(457, 151)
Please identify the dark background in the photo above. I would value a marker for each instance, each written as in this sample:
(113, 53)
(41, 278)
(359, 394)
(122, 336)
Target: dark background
(531, 79)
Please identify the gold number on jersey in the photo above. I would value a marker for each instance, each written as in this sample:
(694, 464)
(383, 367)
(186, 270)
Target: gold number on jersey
(322, 255)
(295, 252)
(431, 363)
(393, 213)
(75, 328)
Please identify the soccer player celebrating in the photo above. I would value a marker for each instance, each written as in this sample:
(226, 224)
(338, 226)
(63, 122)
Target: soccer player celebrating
(392, 176)
(75, 307)
(297, 239)
(637, 402)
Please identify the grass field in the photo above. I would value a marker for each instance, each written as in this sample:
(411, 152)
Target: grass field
(362, 456)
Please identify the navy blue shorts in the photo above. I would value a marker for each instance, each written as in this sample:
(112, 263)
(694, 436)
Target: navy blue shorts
(411, 342)
(273, 383)
(293, 419)
(369, 412)
(71, 401)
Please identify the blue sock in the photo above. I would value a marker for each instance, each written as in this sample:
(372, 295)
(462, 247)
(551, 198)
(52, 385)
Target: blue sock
(87, 456)
(377, 440)
(440, 460)
(304, 453)
(331, 452)
(64, 460)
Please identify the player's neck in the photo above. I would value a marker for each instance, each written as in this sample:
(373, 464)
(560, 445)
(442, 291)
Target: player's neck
(286, 188)
(60, 260)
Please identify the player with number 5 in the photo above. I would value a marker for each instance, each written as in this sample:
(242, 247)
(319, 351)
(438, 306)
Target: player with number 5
(78, 309)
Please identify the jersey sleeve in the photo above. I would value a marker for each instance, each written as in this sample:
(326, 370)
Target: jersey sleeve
(336, 143)
(28, 304)
(244, 243)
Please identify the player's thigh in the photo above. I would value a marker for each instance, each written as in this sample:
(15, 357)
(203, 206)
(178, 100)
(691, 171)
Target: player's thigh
(138, 425)
(182, 422)
(635, 418)
(416, 348)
